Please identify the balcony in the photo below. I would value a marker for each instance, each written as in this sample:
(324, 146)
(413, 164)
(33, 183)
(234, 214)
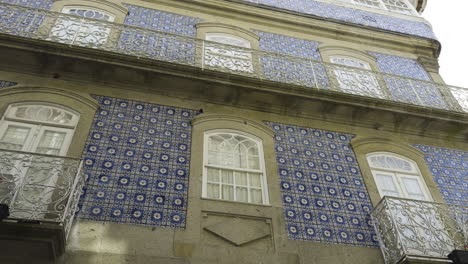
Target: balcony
(412, 231)
(42, 192)
(140, 43)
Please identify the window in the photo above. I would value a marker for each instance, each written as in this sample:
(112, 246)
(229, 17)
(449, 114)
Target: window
(39, 128)
(30, 183)
(227, 56)
(82, 30)
(234, 167)
(420, 226)
(397, 6)
(397, 176)
(356, 81)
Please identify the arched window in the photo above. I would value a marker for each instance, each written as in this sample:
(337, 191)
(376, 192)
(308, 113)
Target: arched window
(234, 167)
(80, 29)
(353, 80)
(37, 127)
(397, 176)
(228, 57)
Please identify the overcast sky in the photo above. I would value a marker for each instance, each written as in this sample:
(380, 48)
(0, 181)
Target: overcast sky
(449, 18)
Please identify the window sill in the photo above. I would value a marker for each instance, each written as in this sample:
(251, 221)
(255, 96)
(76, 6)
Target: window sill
(234, 202)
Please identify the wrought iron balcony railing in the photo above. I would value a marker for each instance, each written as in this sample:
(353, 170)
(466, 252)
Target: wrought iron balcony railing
(39, 187)
(410, 228)
(155, 45)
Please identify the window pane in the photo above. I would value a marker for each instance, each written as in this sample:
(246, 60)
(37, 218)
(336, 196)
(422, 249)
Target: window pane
(254, 162)
(387, 185)
(43, 113)
(228, 192)
(213, 175)
(390, 162)
(241, 178)
(242, 194)
(413, 188)
(255, 180)
(226, 176)
(212, 191)
(256, 195)
(14, 137)
(51, 142)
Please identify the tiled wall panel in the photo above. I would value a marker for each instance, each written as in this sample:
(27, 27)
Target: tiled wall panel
(288, 45)
(400, 66)
(6, 83)
(409, 91)
(44, 4)
(155, 45)
(449, 168)
(137, 163)
(292, 70)
(324, 196)
(352, 15)
(161, 21)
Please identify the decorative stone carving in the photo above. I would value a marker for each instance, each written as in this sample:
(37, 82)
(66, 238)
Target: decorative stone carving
(240, 231)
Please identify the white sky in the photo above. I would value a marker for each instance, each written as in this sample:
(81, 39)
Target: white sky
(449, 18)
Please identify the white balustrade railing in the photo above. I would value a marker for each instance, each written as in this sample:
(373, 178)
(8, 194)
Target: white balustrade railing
(410, 228)
(39, 187)
(149, 44)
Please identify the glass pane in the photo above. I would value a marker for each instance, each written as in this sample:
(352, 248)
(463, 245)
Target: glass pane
(51, 142)
(43, 113)
(213, 175)
(241, 178)
(413, 188)
(89, 13)
(226, 176)
(255, 180)
(242, 194)
(228, 192)
(253, 162)
(386, 182)
(387, 185)
(390, 162)
(227, 39)
(213, 158)
(212, 191)
(256, 196)
(14, 137)
(231, 150)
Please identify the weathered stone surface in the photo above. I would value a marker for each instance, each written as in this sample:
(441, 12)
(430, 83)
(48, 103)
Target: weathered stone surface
(240, 231)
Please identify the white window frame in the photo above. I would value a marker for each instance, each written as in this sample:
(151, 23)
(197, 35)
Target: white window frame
(38, 128)
(261, 171)
(341, 74)
(397, 176)
(385, 6)
(76, 29)
(243, 56)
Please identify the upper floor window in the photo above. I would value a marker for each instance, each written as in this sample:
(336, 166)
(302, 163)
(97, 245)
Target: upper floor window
(88, 13)
(37, 127)
(397, 176)
(228, 56)
(81, 30)
(355, 81)
(234, 167)
(398, 6)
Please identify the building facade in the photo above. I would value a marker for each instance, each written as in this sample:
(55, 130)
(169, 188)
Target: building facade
(228, 131)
